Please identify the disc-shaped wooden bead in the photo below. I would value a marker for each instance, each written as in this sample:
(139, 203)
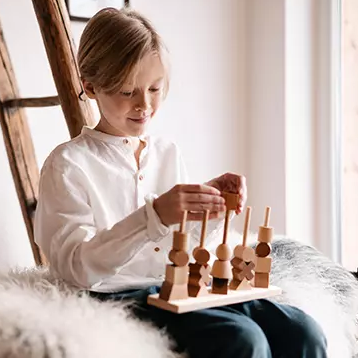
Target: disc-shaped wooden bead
(245, 253)
(223, 252)
(263, 249)
(179, 258)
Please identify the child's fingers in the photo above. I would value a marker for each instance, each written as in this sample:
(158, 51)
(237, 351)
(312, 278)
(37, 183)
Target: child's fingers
(203, 198)
(198, 216)
(198, 188)
(200, 207)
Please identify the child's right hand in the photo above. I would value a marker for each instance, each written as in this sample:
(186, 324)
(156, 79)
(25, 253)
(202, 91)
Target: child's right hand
(195, 198)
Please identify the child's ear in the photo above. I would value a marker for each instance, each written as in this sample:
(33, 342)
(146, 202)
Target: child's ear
(89, 89)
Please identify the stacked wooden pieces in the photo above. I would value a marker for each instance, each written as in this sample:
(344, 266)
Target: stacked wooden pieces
(243, 277)
(263, 249)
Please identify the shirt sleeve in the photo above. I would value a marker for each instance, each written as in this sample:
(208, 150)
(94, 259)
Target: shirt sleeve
(66, 232)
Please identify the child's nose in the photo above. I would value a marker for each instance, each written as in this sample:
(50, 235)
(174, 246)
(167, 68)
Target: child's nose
(143, 103)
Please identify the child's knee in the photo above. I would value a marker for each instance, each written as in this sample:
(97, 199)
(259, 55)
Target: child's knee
(309, 334)
(244, 340)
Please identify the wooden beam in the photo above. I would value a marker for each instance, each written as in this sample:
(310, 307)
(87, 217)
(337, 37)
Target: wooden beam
(19, 147)
(32, 102)
(54, 24)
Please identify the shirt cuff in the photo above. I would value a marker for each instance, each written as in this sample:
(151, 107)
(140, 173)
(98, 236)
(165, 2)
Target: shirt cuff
(156, 229)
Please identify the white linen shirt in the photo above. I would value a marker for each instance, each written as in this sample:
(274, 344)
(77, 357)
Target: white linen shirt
(95, 220)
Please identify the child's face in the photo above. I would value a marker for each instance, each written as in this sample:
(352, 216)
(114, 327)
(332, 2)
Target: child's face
(128, 112)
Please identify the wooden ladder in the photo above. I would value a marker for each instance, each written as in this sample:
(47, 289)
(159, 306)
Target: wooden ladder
(54, 22)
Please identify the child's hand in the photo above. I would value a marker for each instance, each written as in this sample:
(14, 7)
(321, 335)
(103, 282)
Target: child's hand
(194, 198)
(232, 183)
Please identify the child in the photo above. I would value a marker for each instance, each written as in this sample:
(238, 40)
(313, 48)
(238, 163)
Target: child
(110, 197)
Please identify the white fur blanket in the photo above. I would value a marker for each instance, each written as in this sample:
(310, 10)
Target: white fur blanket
(40, 317)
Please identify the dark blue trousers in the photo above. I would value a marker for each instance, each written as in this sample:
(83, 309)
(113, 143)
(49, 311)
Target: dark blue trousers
(255, 329)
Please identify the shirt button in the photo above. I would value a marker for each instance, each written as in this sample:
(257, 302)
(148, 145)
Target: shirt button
(157, 249)
(141, 177)
(125, 141)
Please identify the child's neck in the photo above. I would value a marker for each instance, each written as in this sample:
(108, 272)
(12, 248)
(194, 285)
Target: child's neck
(138, 147)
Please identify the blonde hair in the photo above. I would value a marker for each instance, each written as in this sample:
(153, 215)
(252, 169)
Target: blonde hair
(113, 44)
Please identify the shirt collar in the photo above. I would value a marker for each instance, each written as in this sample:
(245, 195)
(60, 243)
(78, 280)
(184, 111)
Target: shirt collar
(109, 138)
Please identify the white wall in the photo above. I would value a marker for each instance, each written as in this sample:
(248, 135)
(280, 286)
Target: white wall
(204, 113)
(250, 93)
(266, 111)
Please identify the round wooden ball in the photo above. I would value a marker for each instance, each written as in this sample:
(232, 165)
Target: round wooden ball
(201, 255)
(223, 252)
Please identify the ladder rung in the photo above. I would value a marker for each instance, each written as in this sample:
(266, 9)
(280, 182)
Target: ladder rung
(33, 102)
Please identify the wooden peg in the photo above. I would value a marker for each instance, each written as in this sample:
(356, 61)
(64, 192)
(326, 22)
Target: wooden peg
(183, 221)
(231, 202)
(199, 272)
(266, 232)
(203, 227)
(267, 216)
(246, 225)
(242, 251)
(200, 254)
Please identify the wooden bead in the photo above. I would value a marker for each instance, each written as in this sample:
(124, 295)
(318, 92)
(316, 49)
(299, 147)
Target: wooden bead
(221, 269)
(262, 280)
(200, 270)
(179, 258)
(171, 291)
(220, 286)
(223, 252)
(263, 264)
(237, 263)
(246, 272)
(245, 253)
(201, 255)
(263, 249)
(180, 241)
(197, 290)
(176, 274)
(231, 200)
(240, 285)
(265, 234)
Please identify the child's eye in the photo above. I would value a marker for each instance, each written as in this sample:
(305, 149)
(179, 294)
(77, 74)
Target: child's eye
(154, 89)
(126, 93)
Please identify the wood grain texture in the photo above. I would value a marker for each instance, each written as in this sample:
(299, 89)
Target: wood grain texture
(53, 20)
(19, 146)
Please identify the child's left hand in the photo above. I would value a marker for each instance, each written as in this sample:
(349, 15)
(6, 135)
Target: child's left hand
(232, 183)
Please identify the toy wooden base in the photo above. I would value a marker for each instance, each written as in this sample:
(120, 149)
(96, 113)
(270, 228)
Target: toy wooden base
(213, 299)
